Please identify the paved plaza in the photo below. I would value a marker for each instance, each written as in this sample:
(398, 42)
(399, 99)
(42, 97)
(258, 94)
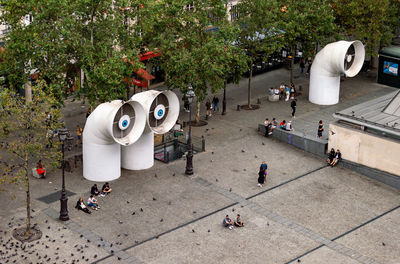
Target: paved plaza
(306, 212)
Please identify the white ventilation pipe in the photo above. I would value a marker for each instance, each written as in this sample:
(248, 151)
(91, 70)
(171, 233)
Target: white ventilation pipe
(110, 125)
(327, 66)
(161, 110)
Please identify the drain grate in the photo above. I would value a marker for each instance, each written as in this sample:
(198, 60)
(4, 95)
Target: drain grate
(51, 198)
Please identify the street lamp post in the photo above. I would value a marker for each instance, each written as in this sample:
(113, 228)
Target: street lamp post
(224, 101)
(62, 135)
(189, 159)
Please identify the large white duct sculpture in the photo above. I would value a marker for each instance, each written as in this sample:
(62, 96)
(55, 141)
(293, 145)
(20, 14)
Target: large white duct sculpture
(161, 111)
(110, 125)
(335, 58)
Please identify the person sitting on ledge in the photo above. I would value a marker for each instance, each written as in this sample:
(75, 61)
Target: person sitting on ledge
(80, 205)
(337, 158)
(238, 221)
(227, 222)
(40, 170)
(106, 189)
(331, 155)
(282, 125)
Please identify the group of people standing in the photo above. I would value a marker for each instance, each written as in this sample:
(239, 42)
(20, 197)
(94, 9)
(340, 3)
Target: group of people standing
(212, 106)
(92, 202)
(262, 174)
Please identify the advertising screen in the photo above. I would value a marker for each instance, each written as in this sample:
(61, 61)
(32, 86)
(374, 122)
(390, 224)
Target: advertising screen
(390, 68)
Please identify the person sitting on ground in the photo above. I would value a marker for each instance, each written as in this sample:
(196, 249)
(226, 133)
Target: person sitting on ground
(106, 188)
(80, 205)
(227, 222)
(337, 158)
(238, 221)
(331, 155)
(95, 191)
(282, 125)
(92, 203)
(40, 170)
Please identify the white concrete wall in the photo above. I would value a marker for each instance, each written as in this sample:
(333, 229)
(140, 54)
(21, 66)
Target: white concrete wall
(365, 148)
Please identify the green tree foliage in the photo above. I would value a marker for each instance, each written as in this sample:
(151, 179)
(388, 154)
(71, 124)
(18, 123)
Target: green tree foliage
(372, 22)
(306, 23)
(195, 40)
(259, 31)
(65, 37)
(26, 136)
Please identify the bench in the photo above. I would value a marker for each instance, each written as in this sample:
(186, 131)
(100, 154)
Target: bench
(298, 139)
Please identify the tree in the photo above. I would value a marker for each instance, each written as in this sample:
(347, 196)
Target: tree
(260, 34)
(305, 23)
(26, 137)
(67, 41)
(195, 40)
(373, 22)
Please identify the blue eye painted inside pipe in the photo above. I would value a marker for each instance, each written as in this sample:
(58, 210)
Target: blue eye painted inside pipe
(124, 122)
(159, 111)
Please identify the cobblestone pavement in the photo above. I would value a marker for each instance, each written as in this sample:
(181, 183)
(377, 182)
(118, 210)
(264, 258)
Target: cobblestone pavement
(305, 212)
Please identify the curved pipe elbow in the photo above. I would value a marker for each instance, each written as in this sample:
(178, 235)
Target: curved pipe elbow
(332, 61)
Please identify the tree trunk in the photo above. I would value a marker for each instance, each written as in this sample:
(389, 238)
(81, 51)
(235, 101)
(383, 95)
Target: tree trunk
(197, 119)
(249, 87)
(291, 64)
(28, 198)
(28, 91)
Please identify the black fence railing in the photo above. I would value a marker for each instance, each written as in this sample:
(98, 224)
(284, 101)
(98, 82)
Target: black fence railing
(174, 146)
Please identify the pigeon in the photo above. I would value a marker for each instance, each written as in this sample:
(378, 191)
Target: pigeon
(161, 220)
(243, 150)
(216, 180)
(126, 234)
(48, 227)
(383, 244)
(173, 174)
(244, 169)
(169, 203)
(112, 251)
(209, 230)
(299, 260)
(119, 258)
(193, 231)
(155, 175)
(194, 212)
(230, 189)
(120, 222)
(255, 156)
(88, 241)
(154, 199)
(233, 209)
(95, 256)
(133, 213)
(81, 235)
(262, 143)
(212, 152)
(127, 202)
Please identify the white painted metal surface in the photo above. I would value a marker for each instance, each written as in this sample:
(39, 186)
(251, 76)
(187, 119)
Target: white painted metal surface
(105, 130)
(328, 65)
(161, 111)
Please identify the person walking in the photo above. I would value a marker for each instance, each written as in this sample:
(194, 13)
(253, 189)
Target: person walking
(320, 129)
(208, 108)
(215, 102)
(293, 105)
(302, 66)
